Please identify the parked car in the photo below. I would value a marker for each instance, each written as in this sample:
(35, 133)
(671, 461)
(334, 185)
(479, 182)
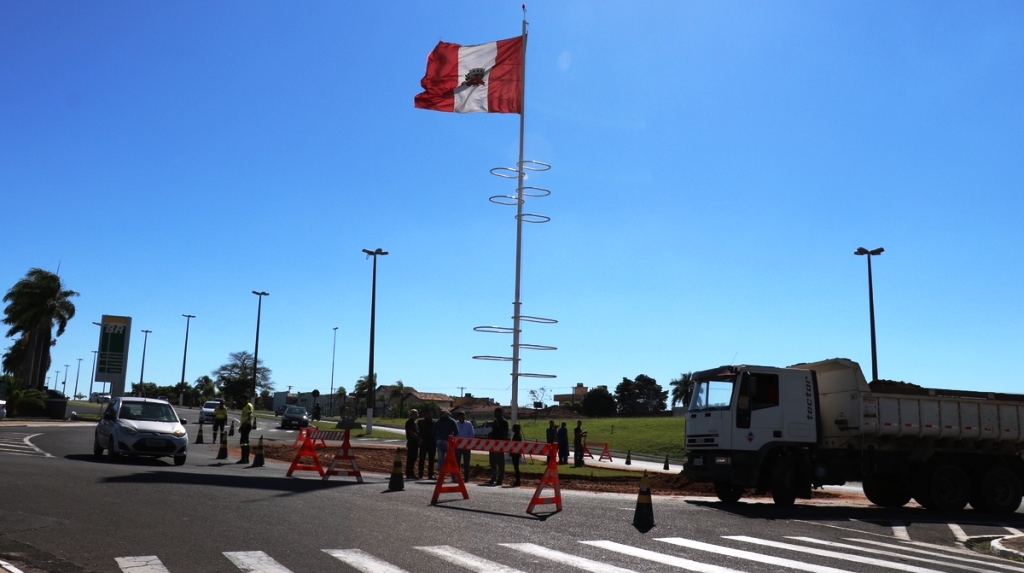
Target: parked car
(98, 398)
(294, 416)
(483, 430)
(206, 412)
(3, 409)
(140, 427)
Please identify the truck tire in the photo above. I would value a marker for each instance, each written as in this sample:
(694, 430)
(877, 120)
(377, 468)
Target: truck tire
(998, 491)
(784, 485)
(727, 492)
(949, 488)
(885, 491)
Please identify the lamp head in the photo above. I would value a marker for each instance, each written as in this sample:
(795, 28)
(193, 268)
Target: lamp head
(860, 251)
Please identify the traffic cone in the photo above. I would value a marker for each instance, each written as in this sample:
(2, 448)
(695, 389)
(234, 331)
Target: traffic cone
(223, 453)
(629, 461)
(199, 436)
(643, 517)
(397, 481)
(232, 431)
(666, 463)
(257, 461)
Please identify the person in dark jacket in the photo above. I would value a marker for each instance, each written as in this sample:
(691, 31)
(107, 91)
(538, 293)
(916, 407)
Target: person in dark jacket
(428, 449)
(445, 427)
(563, 444)
(499, 431)
(412, 443)
(578, 435)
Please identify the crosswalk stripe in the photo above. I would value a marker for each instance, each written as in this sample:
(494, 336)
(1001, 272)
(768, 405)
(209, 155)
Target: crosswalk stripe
(20, 444)
(467, 560)
(141, 564)
(759, 557)
(958, 532)
(900, 532)
(1013, 531)
(910, 549)
(566, 559)
(661, 557)
(255, 562)
(889, 554)
(892, 565)
(363, 561)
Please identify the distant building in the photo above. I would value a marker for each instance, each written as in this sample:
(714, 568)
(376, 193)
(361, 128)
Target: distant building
(578, 393)
(442, 401)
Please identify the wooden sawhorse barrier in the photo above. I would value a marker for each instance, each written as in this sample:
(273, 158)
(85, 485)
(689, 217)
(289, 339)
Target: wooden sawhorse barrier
(458, 485)
(308, 449)
(603, 448)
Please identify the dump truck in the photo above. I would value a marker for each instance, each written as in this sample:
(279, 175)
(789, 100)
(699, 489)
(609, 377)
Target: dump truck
(791, 430)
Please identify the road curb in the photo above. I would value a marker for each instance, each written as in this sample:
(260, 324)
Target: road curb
(10, 568)
(997, 547)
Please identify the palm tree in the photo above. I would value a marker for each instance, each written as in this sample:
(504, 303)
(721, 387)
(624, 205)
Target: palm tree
(35, 305)
(680, 387)
(362, 391)
(400, 392)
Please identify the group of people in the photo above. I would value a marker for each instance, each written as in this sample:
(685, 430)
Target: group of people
(560, 435)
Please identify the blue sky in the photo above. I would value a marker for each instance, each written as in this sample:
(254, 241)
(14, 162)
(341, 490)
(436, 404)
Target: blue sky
(714, 166)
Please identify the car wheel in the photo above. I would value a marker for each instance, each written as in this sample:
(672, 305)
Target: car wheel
(111, 454)
(97, 449)
(179, 460)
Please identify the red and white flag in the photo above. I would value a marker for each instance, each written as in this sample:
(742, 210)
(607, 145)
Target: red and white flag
(466, 79)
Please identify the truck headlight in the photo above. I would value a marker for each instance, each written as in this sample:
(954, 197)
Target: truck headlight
(723, 460)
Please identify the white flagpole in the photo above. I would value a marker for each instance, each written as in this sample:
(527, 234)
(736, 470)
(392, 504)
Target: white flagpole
(517, 305)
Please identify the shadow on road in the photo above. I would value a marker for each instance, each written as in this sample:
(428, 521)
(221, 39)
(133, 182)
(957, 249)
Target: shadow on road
(285, 485)
(873, 515)
(538, 517)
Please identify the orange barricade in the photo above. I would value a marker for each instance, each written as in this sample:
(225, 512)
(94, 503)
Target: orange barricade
(605, 452)
(308, 449)
(451, 467)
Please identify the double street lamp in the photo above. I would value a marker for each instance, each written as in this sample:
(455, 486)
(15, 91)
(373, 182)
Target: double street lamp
(871, 307)
(142, 389)
(184, 357)
(371, 395)
(256, 352)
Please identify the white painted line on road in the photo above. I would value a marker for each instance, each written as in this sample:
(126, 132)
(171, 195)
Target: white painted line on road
(363, 561)
(661, 557)
(758, 557)
(1013, 531)
(891, 565)
(900, 532)
(141, 564)
(566, 559)
(255, 562)
(887, 536)
(958, 532)
(890, 554)
(10, 568)
(467, 560)
(978, 559)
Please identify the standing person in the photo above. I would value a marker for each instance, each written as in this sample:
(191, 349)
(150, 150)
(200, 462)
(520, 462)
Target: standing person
(577, 444)
(552, 432)
(244, 428)
(445, 427)
(499, 431)
(465, 431)
(316, 411)
(563, 444)
(220, 417)
(412, 443)
(517, 436)
(428, 448)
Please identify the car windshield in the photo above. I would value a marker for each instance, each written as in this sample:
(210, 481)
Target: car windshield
(147, 412)
(714, 394)
(211, 405)
(299, 410)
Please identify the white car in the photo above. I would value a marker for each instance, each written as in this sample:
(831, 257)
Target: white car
(3, 409)
(141, 427)
(206, 412)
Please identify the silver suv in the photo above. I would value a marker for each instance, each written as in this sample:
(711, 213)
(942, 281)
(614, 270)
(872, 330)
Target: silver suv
(140, 427)
(206, 412)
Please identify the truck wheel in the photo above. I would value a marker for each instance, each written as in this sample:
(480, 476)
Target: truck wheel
(727, 492)
(998, 491)
(949, 488)
(784, 483)
(885, 491)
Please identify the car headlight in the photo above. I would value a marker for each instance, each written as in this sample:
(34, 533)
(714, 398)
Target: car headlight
(180, 432)
(128, 430)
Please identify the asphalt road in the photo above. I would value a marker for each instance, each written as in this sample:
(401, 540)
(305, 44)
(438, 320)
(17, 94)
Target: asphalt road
(63, 510)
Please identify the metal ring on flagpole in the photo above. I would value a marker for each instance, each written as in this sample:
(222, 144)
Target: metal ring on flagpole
(495, 329)
(532, 375)
(538, 319)
(498, 358)
(534, 165)
(533, 218)
(537, 347)
(535, 191)
(508, 200)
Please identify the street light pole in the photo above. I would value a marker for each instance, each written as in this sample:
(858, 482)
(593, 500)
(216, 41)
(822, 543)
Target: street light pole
(256, 352)
(330, 398)
(142, 389)
(64, 385)
(77, 374)
(92, 379)
(184, 357)
(871, 307)
(371, 397)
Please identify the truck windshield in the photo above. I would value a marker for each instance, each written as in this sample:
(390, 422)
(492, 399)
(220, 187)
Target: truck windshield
(712, 394)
